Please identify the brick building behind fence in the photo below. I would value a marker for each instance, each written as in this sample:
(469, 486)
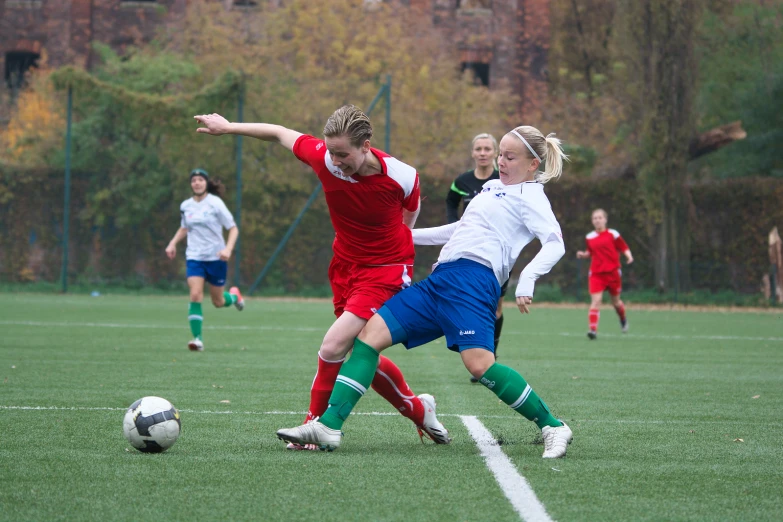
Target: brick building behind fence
(509, 48)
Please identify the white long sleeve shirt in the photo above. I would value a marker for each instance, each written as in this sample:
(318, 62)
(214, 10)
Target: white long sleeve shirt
(497, 225)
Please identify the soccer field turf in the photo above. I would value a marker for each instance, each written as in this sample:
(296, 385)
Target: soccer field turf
(678, 420)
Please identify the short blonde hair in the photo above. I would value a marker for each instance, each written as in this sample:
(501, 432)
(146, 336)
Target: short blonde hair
(602, 211)
(549, 150)
(485, 136)
(490, 137)
(350, 121)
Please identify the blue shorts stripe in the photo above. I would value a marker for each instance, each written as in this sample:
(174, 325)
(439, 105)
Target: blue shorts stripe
(398, 333)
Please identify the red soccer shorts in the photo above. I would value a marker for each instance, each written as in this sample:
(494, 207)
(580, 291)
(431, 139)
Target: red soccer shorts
(362, 289)
(605, 281)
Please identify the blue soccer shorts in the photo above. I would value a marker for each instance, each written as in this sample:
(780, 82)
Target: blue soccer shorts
(213, 272)
(458, 301)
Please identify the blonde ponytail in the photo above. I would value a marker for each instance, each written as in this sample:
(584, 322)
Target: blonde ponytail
(547, 150)
(554, 159)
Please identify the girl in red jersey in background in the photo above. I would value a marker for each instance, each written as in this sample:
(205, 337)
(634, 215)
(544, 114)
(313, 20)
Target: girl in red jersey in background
(373, 202)
(603, 245)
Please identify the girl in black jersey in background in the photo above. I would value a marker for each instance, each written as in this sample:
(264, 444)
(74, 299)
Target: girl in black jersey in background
(467, 185)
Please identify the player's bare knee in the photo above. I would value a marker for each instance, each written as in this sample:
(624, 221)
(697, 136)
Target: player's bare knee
(218, 302)
(478, 368)
(477, 361)
(196, 297)
(334, 349)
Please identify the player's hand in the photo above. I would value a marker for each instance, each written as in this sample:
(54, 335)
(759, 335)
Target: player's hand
(581, 254)
(171, 251)
(225, 254)
(629, 260)
(213, 124)
(523, 303)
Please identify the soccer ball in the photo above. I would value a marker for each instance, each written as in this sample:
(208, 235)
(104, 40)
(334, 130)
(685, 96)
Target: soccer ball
(151, 424)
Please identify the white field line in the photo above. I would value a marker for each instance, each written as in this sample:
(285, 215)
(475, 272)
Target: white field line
(69, 324)
(572, 422)
(514, 486)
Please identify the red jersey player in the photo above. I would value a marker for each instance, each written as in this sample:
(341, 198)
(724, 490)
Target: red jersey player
(603, 245)
(373, 202)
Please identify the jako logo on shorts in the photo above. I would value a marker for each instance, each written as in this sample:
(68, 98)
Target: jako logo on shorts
(467, 332)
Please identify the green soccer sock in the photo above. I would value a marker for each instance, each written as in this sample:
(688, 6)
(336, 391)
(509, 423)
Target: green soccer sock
(230, 299)
(196, 318)
(512, 389)
(355, 377)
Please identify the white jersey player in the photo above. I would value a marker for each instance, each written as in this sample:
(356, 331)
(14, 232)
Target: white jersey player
(203, 218)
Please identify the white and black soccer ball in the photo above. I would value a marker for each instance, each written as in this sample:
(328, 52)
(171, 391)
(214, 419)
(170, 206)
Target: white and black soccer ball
(151, 424)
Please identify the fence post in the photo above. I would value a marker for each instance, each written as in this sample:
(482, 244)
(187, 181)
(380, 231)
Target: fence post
(578, 279)
(238, 211)
(387, 144)
(676, 280)
(285, 239)
(773, 283)
(67, 197)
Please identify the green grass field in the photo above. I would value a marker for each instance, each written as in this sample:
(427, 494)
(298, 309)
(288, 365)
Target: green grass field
(678, 420)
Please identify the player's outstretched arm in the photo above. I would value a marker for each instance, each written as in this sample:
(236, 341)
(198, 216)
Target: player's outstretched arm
(217, 125)
(435, 235)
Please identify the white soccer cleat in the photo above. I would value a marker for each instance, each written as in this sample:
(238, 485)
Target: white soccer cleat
(556, 441)
(240, 304)
(313, 432)
(196, 345)
(432, 426)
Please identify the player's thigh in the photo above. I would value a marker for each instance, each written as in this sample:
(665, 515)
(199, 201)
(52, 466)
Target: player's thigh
(339, 339)
(376, 332)
(596, 299)
(196, 288)
(615, 285)
(339, 280)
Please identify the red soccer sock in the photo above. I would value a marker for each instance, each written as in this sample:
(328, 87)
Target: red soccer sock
(620, 309)
(390, 384)
(323, 384)
(593, 318)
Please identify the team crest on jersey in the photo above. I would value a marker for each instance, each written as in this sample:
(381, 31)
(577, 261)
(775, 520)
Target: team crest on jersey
(318, 147)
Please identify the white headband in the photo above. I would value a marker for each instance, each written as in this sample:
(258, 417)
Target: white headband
(518, 135)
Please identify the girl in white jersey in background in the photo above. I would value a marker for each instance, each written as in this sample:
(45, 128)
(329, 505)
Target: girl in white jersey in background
(458, 300)
(204, 216)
